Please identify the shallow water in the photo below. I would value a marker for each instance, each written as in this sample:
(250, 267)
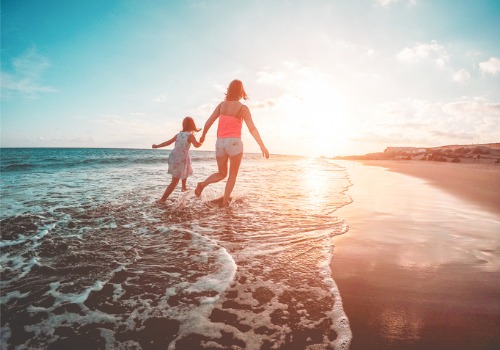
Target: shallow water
(88, 259)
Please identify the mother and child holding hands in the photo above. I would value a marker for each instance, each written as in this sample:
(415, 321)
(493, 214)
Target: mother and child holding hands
(228, 148)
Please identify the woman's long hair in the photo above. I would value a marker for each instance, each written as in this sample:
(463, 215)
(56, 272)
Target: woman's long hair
(235, 91)
(188, 125)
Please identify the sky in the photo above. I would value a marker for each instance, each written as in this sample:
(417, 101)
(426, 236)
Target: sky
(324, 77)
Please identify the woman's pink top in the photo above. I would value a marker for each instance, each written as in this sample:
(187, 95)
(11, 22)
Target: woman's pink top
(229, 127)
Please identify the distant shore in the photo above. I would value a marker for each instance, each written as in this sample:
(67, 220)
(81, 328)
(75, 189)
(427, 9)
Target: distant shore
(477, 182)
(488, 153)
(471, 172)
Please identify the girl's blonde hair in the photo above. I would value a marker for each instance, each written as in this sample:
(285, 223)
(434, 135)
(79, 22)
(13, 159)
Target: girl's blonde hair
(189, 125)
(236, 91)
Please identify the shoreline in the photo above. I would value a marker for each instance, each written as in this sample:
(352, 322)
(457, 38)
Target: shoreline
(476, 182)
(419, 267)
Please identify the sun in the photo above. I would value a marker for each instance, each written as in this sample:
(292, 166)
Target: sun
(308, 114)
(317, 112)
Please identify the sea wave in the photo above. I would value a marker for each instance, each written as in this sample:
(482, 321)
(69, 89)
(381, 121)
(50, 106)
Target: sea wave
(101, 266)
(22, 160)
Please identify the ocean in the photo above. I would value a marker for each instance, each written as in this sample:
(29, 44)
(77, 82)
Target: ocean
(90, 261)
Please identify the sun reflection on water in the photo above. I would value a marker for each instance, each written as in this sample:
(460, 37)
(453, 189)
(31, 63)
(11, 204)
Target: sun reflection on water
(317, 184)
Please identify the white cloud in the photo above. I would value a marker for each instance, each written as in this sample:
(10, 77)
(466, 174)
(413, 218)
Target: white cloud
(387, 3)
(66, 140)
(265, 105)
(425, 123)
(47, 139)
(461, 76)
(425, 52)
(135, 130)
(463, 135)
(135, 124)
(344, 44)
(160, 99)
(476, 107)
(271, 77)
(492, 66)
(25, 78)
(12, 83)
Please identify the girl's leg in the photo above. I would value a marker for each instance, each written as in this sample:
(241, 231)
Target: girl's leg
(184, 186)
(234, 166)
(169, 189)
(222, 165)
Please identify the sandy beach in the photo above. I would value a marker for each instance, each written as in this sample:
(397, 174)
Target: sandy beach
(477, 182)
(419, 267)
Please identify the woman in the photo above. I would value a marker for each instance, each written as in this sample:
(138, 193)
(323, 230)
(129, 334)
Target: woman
(231, 114)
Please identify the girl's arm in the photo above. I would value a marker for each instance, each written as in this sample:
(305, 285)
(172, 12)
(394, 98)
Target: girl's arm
(210, 121)
(192, 139)
(247, 117)
(166, 143)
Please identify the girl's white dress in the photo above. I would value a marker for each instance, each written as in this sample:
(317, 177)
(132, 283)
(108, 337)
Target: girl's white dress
(179, 162)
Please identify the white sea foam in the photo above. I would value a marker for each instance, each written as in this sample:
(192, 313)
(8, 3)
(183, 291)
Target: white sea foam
(196, 320)
(12, 295)
(251, 272)
(23, 238)
(76, 298)
(340, 320)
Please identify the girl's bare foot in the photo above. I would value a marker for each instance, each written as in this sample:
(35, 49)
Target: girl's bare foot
(160, 202)
(184, 189)
(198, 189)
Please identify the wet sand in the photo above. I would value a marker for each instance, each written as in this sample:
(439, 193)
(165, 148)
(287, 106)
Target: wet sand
(420, 265)
(476, 181)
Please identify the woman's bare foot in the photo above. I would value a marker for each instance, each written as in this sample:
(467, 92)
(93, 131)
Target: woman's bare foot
(226, 204)
(160, 202)
(184, 189)
(199, 188)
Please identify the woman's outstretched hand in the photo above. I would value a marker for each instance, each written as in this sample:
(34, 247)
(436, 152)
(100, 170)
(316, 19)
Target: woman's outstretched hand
(265, 152)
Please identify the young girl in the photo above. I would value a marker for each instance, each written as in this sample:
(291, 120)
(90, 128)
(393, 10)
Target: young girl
(179, 162)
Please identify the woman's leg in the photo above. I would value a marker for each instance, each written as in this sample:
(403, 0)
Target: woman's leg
(220, 175)
(234, 166)
(169, 189)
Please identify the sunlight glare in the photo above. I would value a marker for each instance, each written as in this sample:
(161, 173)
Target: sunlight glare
(314, 183)
(317, 112)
